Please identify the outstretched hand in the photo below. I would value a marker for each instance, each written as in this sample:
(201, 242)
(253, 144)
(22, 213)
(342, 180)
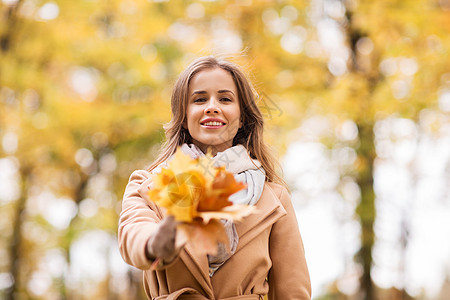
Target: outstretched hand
(161, 244)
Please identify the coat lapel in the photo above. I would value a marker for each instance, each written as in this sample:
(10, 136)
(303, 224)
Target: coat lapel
(269, 210)
(198, 266)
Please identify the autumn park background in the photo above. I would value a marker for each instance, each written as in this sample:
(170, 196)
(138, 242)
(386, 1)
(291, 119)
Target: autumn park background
(356, 95)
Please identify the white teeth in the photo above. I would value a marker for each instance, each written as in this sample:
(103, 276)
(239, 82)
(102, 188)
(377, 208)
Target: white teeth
(213, 123)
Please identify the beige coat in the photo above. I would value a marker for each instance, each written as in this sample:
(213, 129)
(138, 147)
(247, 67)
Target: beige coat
(269, 259)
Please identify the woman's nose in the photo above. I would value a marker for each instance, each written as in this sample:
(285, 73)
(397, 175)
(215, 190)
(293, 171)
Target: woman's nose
(212, 107)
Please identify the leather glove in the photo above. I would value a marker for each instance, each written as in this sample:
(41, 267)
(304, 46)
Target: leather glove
(161, 244)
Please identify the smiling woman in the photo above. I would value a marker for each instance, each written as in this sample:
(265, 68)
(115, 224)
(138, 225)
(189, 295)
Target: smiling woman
(214, 109)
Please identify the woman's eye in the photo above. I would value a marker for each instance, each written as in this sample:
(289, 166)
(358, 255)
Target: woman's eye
(199, 100)
(226, 99)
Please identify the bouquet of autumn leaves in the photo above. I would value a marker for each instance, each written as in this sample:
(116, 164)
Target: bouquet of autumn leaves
(196, 193)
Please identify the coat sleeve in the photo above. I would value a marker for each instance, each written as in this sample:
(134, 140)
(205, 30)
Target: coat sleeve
(138, 220)
(289, 275)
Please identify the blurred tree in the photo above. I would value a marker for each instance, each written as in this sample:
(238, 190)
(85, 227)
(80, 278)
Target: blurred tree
(85, 88)
(78, 107)
(396, 68)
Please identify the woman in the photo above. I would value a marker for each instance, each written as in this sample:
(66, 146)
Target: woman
(213, 107)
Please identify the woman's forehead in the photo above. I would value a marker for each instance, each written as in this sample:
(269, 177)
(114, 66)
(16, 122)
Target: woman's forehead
(212, 80)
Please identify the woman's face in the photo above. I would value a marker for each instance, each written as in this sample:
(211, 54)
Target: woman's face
(213, 113)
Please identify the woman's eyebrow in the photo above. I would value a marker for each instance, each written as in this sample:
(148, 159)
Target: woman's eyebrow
(225, 91)
(198, 92)
(204, 92)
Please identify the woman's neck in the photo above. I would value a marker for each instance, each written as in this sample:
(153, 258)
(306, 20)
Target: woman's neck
(212, 149)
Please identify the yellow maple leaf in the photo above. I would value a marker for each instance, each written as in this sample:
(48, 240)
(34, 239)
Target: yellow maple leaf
(196, 192)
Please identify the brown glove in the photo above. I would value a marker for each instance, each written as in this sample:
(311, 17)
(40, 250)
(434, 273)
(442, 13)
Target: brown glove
(162, 243)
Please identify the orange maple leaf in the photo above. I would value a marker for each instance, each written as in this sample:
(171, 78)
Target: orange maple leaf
(197, 194)
(204, 237)
(222, 187)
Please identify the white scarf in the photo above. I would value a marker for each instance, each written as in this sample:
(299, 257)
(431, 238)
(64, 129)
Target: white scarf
(245, 169)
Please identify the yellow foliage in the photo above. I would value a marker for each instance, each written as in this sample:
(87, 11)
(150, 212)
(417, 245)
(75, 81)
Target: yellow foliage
(194, 188)
(196, 193)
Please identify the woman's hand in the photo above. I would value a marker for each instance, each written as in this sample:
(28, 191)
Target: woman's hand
(162, 243)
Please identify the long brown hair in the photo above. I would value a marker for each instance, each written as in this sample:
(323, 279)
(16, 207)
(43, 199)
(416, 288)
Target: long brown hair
(250, 135)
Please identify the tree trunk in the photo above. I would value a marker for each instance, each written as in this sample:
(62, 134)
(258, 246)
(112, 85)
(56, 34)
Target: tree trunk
(366, 157)
(15, 249)
(10, 15)
(366, 208)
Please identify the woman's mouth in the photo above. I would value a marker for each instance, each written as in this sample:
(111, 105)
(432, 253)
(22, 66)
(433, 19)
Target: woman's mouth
(213, 124)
